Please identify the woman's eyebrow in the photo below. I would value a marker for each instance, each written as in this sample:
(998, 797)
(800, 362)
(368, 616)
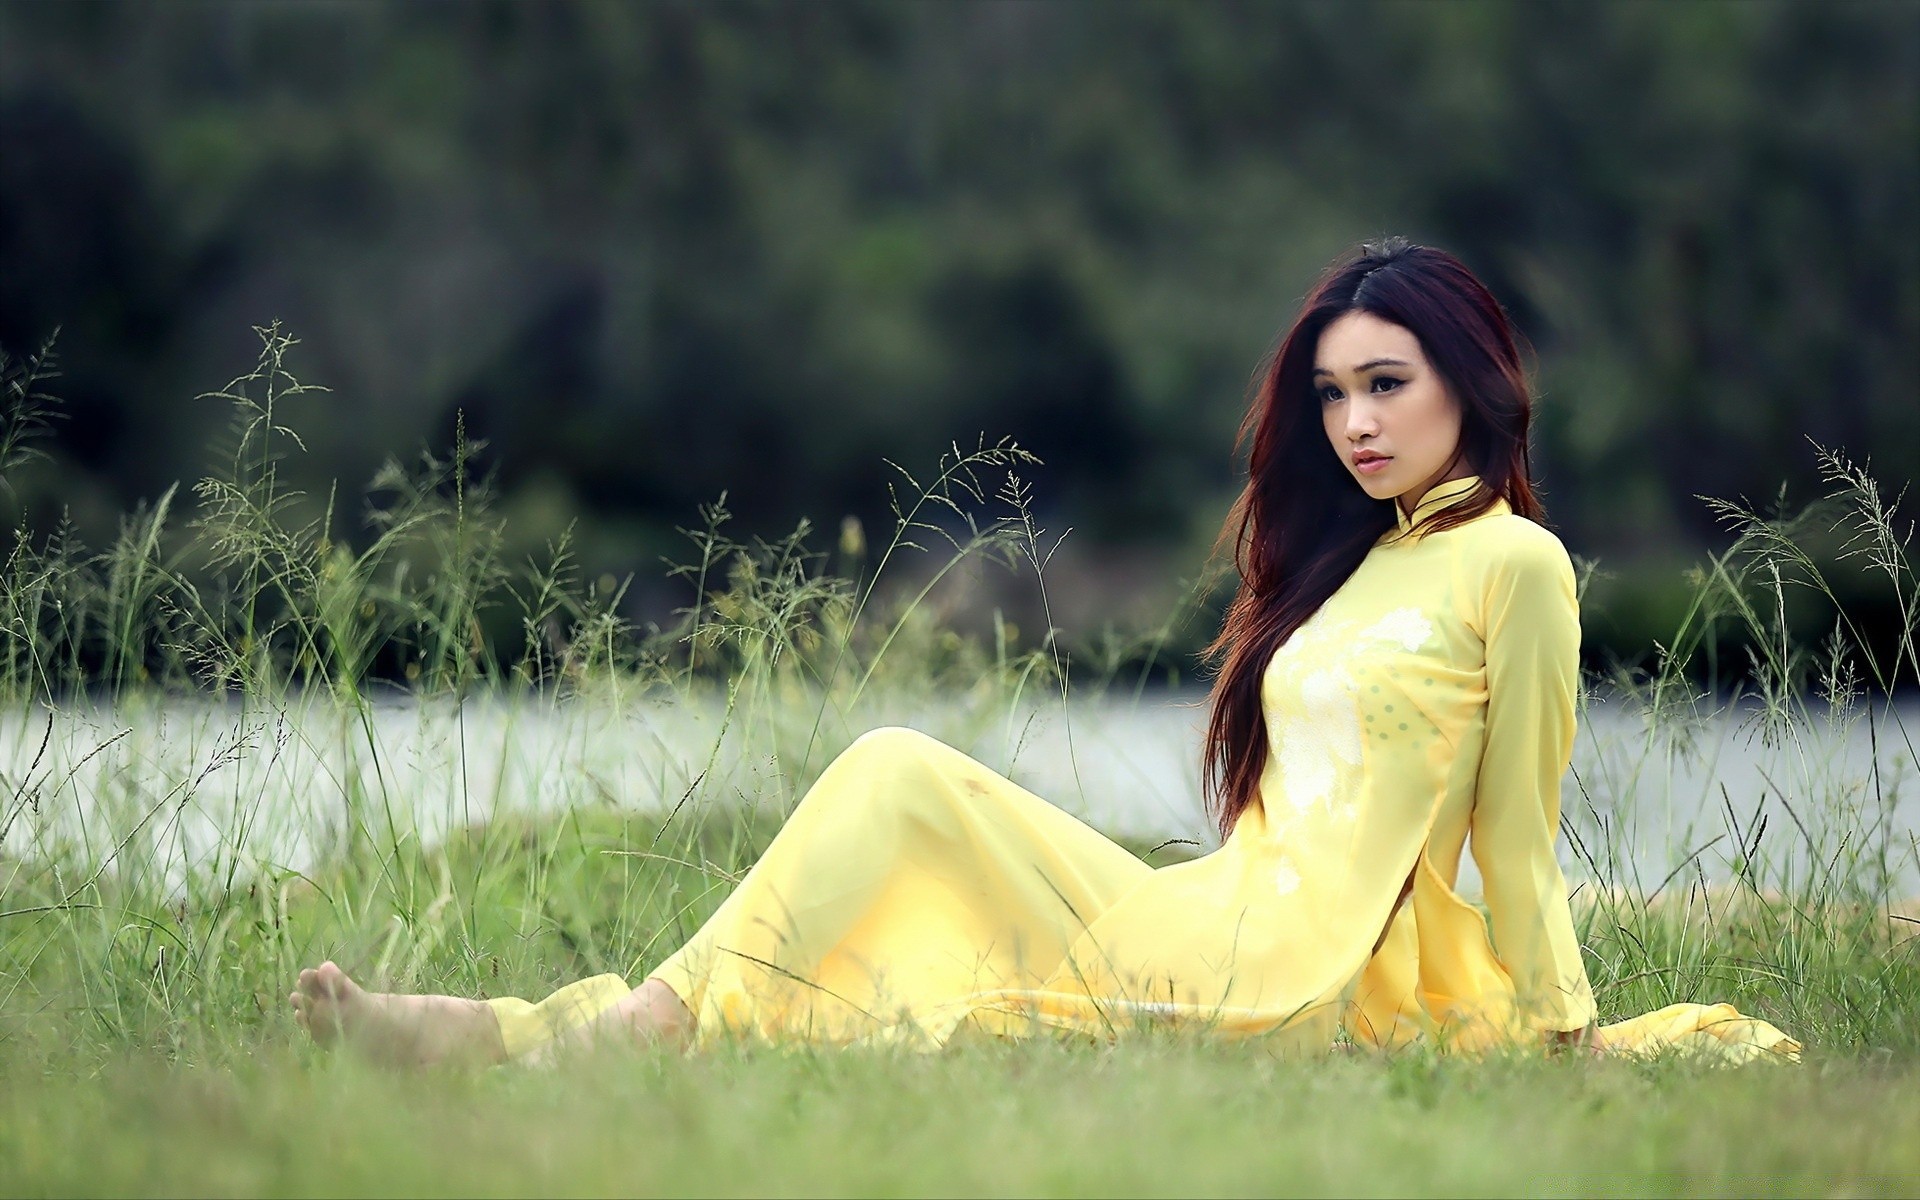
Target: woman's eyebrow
(1368, 365)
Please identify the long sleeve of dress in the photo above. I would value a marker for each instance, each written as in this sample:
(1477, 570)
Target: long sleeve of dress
(1531, 625)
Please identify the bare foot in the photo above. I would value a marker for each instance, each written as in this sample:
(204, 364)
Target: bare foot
(407, 1031)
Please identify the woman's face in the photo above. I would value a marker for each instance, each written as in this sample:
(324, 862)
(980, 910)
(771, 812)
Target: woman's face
(1387, 412)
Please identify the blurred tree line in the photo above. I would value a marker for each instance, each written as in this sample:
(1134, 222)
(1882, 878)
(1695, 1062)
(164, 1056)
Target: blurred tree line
(655, 251)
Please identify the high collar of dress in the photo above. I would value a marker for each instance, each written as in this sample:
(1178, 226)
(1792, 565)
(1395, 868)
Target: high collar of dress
(1440, 496)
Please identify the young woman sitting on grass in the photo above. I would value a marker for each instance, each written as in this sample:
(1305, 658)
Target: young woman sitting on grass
(1397, 683)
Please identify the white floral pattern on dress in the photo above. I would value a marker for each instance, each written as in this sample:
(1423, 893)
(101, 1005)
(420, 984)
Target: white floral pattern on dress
(1286, 880)
(1406, 627)
(1318, 738)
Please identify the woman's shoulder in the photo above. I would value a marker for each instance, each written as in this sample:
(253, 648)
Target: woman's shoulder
(1505, 543)
(1507, 563)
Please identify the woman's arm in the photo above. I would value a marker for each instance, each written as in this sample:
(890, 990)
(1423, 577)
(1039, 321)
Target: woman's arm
(1531, 623)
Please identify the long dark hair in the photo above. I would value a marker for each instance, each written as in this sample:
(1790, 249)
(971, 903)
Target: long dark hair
(1303, 524)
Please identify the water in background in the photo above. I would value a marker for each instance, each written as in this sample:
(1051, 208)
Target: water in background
(200, 786)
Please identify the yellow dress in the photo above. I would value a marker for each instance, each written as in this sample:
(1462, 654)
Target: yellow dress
(1428, 705)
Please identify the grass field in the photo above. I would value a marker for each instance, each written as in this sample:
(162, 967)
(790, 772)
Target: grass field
(1044, 1119)
(150, 927)
(145, 1047)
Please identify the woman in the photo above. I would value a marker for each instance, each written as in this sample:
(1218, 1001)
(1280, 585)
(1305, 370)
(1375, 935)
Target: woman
(1398, 675)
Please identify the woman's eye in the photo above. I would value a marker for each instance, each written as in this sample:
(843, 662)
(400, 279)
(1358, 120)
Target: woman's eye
(1385, 383)
(1329, 394)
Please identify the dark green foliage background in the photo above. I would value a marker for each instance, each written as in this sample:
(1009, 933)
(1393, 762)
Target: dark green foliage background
(655, 251)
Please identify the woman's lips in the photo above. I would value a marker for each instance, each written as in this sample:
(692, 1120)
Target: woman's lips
(1372, 466)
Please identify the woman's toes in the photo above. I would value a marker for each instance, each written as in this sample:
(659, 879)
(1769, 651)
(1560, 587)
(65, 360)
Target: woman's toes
(332, 982)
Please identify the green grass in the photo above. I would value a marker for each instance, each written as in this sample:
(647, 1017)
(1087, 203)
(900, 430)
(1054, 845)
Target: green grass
(150, 926)
(1038, 1118)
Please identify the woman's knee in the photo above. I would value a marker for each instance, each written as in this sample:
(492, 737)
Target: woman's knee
(891, 744)
(882, 767)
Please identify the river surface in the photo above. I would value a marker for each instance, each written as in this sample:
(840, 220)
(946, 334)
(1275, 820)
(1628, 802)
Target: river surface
(197, 786)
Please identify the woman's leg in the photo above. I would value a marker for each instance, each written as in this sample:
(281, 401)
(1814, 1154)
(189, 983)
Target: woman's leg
(648, 1015)
(909, 876)
(427, 1030)
(413, 1031)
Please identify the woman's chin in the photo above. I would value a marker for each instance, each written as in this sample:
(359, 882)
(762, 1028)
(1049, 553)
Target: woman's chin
(1379, 489)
